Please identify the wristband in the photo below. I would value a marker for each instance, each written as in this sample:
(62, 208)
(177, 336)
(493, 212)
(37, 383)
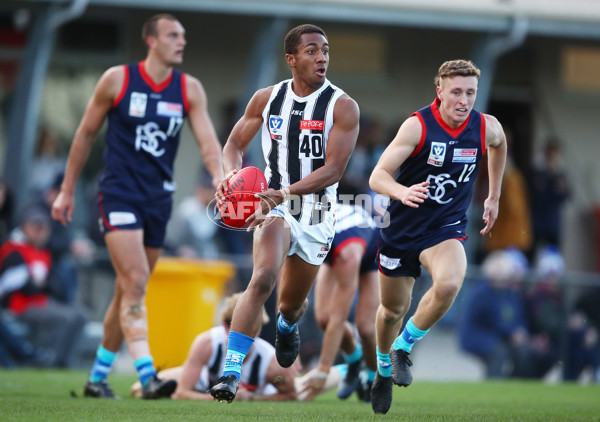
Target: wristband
(285, 192)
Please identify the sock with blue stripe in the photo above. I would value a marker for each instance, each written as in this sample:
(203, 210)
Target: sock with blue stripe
(354, 356)
(145, 369)
(283, 326)
(102, 364)
(410, 335)
(238, 346)
(384, 364)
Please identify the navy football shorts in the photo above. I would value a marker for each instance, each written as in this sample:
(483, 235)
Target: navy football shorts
(365, 235)
(116, 214)
(394, 262)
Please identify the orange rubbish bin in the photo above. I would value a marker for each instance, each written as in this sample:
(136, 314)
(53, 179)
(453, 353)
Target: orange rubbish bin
(182, 299)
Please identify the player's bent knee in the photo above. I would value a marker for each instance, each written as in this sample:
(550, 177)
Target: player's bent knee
(322, 321)
(366, 329)
(393, 315)
(447, 290)
(263, 281)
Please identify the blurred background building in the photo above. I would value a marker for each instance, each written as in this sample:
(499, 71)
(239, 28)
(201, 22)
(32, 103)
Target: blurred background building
(540, 61)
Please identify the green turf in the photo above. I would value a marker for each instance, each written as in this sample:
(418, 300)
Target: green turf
(28, 395)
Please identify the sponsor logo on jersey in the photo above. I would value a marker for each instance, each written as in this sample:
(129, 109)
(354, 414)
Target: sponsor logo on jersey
(464, 155)
(276, 137)
(321, 255)
(164, 108)
(275, 123)
(137, 104)
(437, 154)
(312, 124)
(389, 263)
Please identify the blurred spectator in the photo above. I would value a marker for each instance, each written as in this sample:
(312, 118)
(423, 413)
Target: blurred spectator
(47, 161)
(69, 251)
(588, 303)
(191, 232)
(16, 350)
(549, 189)
(494, 324)
(567, 332)
(25, 264)
(513, 226)
(6, 209)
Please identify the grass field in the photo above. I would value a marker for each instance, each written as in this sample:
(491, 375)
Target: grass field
(29, 395)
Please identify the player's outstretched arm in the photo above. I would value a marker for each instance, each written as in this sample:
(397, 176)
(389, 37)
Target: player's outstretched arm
(496, 146)
(244, 130)
(282, 379)
(203, 129)
(198, 357)
(402, 146)
(105, 94)
(241, 135)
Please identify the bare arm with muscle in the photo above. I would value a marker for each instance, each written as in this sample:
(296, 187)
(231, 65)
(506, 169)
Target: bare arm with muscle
(495, 141)
(241, 135)
(203, 129)
(107, 91)
(402, 146)
(197, 358)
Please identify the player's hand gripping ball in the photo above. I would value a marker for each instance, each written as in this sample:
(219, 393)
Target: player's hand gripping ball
(240, 202)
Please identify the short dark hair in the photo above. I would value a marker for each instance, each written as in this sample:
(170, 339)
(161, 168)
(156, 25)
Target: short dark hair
(292, 39)
(453, 68)
(150, 26)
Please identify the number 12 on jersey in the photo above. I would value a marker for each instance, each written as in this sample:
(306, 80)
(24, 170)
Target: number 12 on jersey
(466, 173)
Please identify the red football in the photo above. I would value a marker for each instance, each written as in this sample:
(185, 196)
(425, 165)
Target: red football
(240, 202)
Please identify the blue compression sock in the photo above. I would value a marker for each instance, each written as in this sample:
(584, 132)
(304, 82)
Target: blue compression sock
(145, 369)
(354, 356)
(384, 364)
(410, 335)
(102, 364)
(283, 326)
(238, 346)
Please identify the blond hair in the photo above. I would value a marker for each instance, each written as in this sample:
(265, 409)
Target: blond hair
(453, 68)
(229, 306)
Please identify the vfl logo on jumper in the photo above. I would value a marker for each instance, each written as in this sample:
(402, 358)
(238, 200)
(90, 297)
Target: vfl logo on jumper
(275, 123)
(437, 187)
(137, 104)
(312, 124)
(464, 155)
(437, 154)
(148, 137)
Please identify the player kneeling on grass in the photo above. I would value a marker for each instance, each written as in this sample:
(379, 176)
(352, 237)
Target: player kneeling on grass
(263, 378)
